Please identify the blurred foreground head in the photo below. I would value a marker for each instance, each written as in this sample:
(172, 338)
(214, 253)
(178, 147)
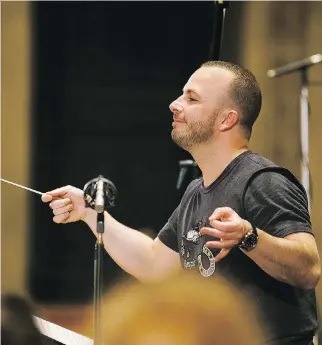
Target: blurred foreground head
(186, 310)
(17, 324)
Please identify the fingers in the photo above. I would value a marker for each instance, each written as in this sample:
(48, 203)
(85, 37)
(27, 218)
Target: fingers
(228, 244)
(62, 218)
(60, 203)
(46, 198)
(222, 212)
(225, 226)
(62, 210)
(61, 213)
(221, 254)
(224, 235)
(59, 192)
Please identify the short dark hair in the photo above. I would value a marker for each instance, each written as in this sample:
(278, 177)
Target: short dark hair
(245, 92)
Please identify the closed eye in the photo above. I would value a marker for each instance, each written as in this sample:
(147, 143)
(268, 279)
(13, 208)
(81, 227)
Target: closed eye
(192, 99)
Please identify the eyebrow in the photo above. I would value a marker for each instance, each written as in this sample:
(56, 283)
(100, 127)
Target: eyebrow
(189, 91)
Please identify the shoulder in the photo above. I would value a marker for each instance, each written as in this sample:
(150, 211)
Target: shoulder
(278, 179)
(276, 202)
(276, 186)
(270, 175)
(259, 161)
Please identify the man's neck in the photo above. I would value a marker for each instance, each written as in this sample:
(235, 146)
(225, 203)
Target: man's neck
(212, 161)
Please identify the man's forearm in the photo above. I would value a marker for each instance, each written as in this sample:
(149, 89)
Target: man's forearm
(129, 248)
(287, 260)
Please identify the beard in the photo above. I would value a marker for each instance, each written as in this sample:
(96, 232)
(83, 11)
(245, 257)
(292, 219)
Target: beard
(195, 133)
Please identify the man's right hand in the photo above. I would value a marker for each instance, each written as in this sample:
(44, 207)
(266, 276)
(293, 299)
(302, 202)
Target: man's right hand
(147, 260)
(67, 203)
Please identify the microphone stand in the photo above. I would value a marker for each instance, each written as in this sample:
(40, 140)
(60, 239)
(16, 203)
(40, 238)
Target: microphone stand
(98, 278)
(305, 113)
(302, 67)
(219, 20)
(90, 191)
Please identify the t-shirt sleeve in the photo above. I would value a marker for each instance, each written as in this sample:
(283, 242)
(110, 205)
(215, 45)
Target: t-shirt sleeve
(277, 205)
(168, 234)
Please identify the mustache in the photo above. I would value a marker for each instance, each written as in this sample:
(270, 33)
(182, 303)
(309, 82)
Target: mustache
(179, 118)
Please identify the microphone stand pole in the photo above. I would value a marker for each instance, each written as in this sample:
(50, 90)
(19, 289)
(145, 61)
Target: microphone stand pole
(98, 278)
(219, 20)
(304, 118)
(302, 67)
(108, 194)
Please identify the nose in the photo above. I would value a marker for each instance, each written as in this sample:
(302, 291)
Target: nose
(176, 106)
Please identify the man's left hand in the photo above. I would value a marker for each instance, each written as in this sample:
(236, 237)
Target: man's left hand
(229, 227)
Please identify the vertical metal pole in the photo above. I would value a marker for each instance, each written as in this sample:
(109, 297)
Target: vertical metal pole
(304, 104)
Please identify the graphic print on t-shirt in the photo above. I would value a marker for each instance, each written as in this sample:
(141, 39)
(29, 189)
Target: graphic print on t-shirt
(194, 252)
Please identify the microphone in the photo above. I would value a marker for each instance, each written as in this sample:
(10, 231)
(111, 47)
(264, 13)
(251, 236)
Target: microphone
(295, 66)
(100, 196)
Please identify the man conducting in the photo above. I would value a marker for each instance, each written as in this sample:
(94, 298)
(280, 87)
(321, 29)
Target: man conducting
(246, 218)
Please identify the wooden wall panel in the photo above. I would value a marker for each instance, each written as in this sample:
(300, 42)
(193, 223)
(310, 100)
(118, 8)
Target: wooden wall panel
(15, 101)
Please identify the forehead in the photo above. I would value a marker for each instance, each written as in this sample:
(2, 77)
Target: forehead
(207, 80)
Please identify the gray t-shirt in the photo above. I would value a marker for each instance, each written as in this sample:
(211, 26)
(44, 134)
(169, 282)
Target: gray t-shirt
(273, 200)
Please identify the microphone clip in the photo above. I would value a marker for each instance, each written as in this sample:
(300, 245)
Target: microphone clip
(109, 193)
(184, 167)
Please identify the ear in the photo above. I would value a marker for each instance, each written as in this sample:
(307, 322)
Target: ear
(228, 120)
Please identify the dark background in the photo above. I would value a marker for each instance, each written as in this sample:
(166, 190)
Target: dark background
(104, 76)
